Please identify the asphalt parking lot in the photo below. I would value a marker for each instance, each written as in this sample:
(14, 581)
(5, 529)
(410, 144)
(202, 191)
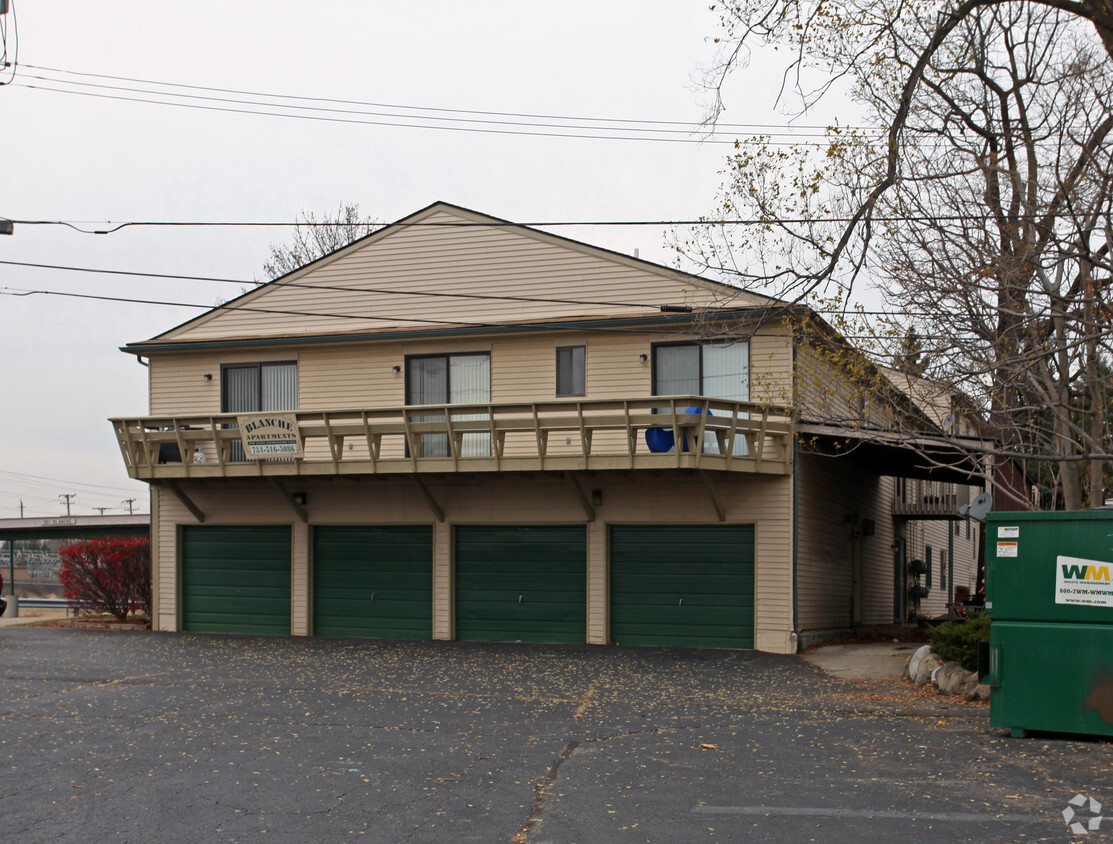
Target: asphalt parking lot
(166, 737)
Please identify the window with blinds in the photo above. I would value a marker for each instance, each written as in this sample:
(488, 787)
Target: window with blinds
(715, 370)
(255, 388)
(450, 379)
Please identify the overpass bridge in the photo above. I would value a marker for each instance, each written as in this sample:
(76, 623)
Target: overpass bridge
(65, 527)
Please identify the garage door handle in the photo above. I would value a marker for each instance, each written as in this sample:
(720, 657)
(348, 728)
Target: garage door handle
(372, 596)
(519, 599)
(681, 603)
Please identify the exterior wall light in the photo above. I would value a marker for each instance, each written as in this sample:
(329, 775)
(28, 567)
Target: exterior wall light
(397, 369)
(643, 357)
(208, 376)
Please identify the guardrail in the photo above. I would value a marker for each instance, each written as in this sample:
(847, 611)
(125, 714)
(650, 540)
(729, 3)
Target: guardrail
(557, 435)
(45, 603)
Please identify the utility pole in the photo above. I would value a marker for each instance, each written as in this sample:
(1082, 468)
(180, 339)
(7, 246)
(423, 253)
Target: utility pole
(100, 510)
(127, 502)
(69, 496)
(21, 508)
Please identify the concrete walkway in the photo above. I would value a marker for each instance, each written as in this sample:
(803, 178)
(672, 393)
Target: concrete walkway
(863, 660)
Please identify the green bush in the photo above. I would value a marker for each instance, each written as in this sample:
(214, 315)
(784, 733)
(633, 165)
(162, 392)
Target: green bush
(957, 641)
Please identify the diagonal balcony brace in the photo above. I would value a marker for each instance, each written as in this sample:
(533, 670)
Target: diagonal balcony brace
(186, 501)
(719, 511)
(576, 488)
(437, 509)
(298, 509)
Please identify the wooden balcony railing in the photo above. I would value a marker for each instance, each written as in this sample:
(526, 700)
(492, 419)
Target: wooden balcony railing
(562, 435)
(926, 499)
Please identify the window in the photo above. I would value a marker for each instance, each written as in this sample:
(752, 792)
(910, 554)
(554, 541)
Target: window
(450, 379)
(254, 388)
(715, 370)
(570, 371)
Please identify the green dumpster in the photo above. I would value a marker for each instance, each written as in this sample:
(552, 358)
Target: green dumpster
(1049, 587)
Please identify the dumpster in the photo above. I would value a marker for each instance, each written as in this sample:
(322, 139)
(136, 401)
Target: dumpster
(1049, 587)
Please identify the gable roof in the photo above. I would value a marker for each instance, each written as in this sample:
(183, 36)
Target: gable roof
(446, 266)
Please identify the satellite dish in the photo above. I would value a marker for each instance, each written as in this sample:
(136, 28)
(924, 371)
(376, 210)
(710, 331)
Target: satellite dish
(978, 508)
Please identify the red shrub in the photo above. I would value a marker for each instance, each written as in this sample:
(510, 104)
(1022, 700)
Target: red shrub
(110, 575)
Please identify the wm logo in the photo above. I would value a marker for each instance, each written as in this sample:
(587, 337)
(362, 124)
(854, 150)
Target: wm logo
(1080, 572)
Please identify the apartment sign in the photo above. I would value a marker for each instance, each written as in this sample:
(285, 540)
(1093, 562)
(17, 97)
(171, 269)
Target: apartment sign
(270, 435)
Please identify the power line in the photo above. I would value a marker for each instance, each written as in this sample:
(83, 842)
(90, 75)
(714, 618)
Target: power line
(334, 288)
(468, 115)
(17, 292)
(40, 480)
(354, 121)
(5, 291)
(113, 226)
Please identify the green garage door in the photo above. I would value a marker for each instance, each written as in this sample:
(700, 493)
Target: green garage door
(236, 579)
(683, 586)
(521, 584)
(373, 581)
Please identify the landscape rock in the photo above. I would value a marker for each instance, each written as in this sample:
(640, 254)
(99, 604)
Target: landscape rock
(915, 660)
(924, 671)
(979, 692)
(951, 678)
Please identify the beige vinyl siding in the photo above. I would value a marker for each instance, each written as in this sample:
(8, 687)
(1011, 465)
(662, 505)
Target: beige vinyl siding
(765, 502)
(826, 392)
(384, 274)
(523, 368)
(156, 573)
(833, 490)
(771, 365)
(178, 384)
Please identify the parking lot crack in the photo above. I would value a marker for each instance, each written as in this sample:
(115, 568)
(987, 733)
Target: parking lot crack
(543, 792)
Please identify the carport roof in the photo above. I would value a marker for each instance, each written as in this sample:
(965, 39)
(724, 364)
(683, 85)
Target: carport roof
(933, 458)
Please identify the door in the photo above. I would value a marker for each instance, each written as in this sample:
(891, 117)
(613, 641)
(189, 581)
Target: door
(683, 586)
(715, 370)
(450, 379)
(236, 579)
(373, 581)
(521, 584)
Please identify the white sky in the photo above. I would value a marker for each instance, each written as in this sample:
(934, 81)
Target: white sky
(80, 158)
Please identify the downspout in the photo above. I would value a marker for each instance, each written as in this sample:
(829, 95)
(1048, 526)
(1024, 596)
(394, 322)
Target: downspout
(951, 560)
(795, 517)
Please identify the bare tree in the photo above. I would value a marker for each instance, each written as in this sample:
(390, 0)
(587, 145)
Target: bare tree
(983, 211)
(315, 238)
(1017, 280)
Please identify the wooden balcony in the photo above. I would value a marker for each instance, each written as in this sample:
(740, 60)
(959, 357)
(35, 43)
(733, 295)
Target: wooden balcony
(918, 499)
(562, 435)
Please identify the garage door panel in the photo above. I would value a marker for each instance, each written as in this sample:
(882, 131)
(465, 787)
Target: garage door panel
(236, 579)
(525, 583)
(682, 586)
(373, 581)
